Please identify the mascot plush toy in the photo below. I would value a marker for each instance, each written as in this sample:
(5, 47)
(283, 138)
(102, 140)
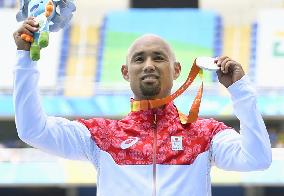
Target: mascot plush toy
(51, 15)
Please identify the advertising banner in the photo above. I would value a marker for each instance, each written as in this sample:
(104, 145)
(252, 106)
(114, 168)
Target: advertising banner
(269, 65)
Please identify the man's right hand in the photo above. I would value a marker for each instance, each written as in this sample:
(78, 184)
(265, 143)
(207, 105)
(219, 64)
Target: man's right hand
(28, 27)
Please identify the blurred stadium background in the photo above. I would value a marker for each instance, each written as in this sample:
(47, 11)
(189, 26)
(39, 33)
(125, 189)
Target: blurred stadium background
(80, 77)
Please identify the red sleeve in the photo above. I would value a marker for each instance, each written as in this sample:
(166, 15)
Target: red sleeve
(216, 127)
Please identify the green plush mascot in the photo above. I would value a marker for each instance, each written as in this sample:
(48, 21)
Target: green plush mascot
(51, 15)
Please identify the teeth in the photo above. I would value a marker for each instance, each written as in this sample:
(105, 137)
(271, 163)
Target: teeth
(150, 77)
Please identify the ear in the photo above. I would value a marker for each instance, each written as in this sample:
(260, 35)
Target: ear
(177, 70)
(124, 72)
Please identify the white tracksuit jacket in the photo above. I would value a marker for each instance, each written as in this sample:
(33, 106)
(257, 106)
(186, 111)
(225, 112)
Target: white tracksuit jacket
(147, 152)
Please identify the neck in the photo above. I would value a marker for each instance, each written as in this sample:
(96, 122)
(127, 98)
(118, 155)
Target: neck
(139, 98)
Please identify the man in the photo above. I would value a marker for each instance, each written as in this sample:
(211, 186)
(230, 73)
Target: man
(148, 152)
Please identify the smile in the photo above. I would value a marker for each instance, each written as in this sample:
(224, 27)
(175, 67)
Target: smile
(149, 77)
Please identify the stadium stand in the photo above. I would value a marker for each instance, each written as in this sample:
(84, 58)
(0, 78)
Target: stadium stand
(237, 43)
(80, 72)
(252, 59)
(196, 34)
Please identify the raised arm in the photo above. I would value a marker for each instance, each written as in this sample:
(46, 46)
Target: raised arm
(59, 136)
(250, 149)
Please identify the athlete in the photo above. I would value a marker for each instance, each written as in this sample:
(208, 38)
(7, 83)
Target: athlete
(149, 152)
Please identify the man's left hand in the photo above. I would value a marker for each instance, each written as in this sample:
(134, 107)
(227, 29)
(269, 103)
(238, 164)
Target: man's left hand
(230, 71)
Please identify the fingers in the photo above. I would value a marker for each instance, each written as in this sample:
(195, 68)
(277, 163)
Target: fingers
(24, 35)
(24, 30)
(225, 63)
(219, 73)
(28, 27)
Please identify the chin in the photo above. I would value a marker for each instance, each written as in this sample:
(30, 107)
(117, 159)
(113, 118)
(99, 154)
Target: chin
(151, 93)
(149, 96)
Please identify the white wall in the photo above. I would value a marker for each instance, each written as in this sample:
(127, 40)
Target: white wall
(270, 49)
(239, 12)
(48, 64)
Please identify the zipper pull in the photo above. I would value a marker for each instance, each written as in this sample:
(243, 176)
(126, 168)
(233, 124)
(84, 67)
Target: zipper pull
(155, 118)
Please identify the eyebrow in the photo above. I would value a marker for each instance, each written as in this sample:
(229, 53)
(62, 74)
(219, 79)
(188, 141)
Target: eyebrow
(142, 53)
(137, 54)
(160, 53)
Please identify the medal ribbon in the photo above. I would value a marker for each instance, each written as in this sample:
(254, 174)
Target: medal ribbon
(155, 103)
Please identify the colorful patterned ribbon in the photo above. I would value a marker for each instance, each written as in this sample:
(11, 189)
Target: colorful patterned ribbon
(193, 113)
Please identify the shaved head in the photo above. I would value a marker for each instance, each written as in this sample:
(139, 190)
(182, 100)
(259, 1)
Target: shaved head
(149, 39)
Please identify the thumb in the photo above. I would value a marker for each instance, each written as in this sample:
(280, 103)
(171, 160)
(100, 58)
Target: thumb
(219, 74)
(224, 79)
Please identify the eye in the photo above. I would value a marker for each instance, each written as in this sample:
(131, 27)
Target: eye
(138, 59)
(159, 58)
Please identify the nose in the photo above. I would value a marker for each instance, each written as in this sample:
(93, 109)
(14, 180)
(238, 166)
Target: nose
(149, 66)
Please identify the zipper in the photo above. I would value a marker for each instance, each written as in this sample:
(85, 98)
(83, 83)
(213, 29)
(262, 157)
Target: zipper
(155, 157)
(209, 164)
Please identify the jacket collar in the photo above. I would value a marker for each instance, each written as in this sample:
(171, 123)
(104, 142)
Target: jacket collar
(168, 112)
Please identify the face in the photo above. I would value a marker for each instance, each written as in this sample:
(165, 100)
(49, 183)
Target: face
(150, 68)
